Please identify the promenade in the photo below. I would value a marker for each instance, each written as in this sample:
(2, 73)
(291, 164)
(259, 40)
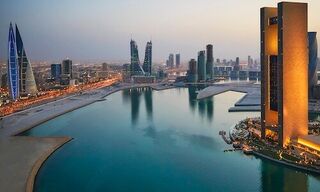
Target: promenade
(249, 102)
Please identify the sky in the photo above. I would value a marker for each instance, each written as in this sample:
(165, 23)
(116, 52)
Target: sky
(102, 29)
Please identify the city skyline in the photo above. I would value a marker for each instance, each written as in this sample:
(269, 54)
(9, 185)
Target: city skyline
(81, 35)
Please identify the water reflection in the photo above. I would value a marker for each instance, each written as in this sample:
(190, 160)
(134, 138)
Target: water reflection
(205, 106)
(282, 179)
(148, 101)
(134, 96)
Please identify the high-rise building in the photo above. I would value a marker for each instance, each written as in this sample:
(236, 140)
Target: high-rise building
(136, 68)
(209, 65)
(178, 60)
(237, 65)
(250, 62)
(105, 66)
(202, 66)
(13, 66)
(27, 83)
(313, 56)
(56, 71)
(224, 62)
(67, 67)
(171, 60)
(284, 68)
(147, 64)
(192, 74)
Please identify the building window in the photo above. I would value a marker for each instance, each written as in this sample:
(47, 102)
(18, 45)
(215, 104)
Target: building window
(273, 20)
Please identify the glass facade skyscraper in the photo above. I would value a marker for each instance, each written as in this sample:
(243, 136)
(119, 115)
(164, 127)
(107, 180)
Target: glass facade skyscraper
(56, 71)
(209, 64)
(13, 67)
(147, 64)
(313, 55)
(67, 67)
(201, 66)
(135, 67)
(20, 75)
(192, 74)
(27, 84)
(178, 60)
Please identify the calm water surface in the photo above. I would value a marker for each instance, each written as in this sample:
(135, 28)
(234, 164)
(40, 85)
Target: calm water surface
(144, 140)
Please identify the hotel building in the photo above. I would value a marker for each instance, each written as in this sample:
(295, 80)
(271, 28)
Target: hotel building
(284, 70)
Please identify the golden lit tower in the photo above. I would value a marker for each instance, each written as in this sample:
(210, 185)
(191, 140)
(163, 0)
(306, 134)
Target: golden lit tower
(284, 66)
(269, 54)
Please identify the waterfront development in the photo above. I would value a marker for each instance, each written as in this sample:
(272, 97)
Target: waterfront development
(146, 140)
(188, 117)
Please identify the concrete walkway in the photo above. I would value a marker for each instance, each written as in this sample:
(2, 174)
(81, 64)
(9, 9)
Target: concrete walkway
(21, 158)
(249, 102)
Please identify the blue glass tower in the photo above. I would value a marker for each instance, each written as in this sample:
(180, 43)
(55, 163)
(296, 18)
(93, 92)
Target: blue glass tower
(313, 55)
(56, 71)
(13, 67)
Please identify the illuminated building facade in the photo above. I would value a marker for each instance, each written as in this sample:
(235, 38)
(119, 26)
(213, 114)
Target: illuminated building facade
(147, 64)
(284, 70)
(13, 66)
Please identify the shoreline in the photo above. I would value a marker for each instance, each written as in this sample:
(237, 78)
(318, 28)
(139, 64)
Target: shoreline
(38, 149)
(300, 168)
(37, 166)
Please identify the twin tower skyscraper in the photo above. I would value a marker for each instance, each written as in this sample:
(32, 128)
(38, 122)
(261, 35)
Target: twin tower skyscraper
(20, 75)
(135, 67)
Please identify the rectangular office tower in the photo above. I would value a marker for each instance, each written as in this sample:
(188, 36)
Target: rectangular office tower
(284, 70)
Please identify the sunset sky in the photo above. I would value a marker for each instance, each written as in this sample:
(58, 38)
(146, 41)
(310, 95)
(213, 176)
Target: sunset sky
(101, 29)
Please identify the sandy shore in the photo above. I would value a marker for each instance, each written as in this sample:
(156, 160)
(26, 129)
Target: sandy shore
(21, 157)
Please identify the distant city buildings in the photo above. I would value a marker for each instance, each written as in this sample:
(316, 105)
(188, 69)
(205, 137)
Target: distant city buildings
(105, 67)
(237, 64)
(178, 60)
(21, 79)
(170, 61)
(202, 75)
(192, 73)
(67, 67)
(209, 64)
(56, 71)
(284, 66)
(250, 62)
